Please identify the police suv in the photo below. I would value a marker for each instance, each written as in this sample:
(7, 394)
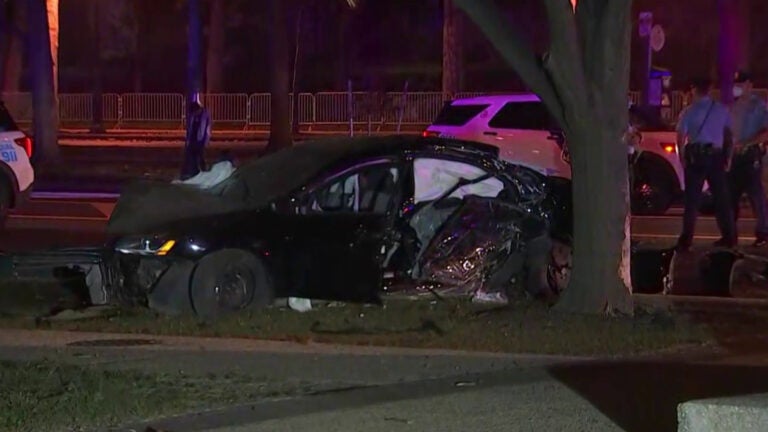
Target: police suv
(16, 173)
(520, 125)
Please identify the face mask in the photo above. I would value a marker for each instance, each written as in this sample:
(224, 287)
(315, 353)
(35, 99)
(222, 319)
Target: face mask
(737, 92)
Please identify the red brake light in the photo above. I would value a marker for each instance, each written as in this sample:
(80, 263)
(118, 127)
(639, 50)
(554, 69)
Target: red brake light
(669, 148)
(26, 144)
(428, 134)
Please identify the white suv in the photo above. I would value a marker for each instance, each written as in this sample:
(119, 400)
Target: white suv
(16, 173)
(521, 127)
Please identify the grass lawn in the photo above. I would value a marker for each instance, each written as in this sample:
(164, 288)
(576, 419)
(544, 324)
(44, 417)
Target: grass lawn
(523, 327)
(48, 396)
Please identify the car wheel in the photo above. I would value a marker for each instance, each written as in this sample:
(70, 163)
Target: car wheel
(549, 267)
(652, 191)
(5, 201)
(227, 281)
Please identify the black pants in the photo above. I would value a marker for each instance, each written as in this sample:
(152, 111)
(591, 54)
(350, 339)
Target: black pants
(194, 160)
(746, 176)
(709, 167)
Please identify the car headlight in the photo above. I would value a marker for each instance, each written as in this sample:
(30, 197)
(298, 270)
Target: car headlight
(157, 245)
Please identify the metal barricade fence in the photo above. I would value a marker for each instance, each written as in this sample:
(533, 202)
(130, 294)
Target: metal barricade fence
(259, 108)
(152, 107)
(255, 109)
(76, 107)
(227, 107)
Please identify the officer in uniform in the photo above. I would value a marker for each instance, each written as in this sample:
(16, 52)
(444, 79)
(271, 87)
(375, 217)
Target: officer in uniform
(705, 139)
(749, 119)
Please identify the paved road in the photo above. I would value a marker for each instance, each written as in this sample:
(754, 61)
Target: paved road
(50, 221)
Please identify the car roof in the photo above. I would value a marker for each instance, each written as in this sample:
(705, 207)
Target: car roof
(497, 98)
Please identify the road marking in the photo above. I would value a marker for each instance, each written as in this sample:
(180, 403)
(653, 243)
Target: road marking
(676, 236)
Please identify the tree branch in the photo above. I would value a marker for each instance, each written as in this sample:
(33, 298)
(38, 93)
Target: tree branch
(565, 62)
(515, 52)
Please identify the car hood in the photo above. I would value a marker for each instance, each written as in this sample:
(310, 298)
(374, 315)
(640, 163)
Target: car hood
(149, 206)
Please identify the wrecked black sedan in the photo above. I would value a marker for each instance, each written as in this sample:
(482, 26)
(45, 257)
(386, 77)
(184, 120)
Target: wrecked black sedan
(338, 219)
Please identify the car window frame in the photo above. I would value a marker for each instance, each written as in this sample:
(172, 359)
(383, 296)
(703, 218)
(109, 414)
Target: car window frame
(551, 123)
(333, 175)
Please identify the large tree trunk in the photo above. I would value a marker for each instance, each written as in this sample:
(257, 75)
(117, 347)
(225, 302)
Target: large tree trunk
(279, 80)
(97, 89)
(452, 49)
(45, 119)
(194, 50)
(583, 80)
(214, 59)
(728, 47)
(52, 6)
(13, 48)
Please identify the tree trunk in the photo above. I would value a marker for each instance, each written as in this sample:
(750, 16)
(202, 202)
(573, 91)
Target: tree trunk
(97, 88)
(214, 59)
(194, 50)
(279, 79)
(452, 49)
(295, 108)
(52, 6)
(583, 80)
(728, 47)
(13, 56)
(45, 118)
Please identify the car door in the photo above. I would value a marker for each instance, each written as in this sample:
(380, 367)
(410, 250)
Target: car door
(463, 220)
(524, 133)
(346, 216)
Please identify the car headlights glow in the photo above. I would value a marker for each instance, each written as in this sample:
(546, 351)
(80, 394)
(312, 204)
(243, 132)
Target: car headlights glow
(158, 246)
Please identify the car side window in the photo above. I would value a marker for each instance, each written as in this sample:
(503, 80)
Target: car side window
(523, 116)
(370, 188)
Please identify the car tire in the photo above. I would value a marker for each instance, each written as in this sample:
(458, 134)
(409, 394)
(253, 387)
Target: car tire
(548, 266)
(653, 189)
(227, 281)
(6, 196)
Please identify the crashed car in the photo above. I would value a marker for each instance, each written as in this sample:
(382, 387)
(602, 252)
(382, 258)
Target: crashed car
(340, 219)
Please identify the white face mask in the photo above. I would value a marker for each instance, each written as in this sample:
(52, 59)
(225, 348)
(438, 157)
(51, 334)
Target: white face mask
(738, 91)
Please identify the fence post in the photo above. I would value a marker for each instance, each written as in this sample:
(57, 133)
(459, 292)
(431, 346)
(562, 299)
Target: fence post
(119, 111)
(247, 112)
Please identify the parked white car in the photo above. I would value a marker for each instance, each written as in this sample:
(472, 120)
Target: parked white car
(16, 172)
(521, 127)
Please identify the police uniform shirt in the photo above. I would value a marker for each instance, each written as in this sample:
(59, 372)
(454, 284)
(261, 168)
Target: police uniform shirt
(691, 123)
(749, 118)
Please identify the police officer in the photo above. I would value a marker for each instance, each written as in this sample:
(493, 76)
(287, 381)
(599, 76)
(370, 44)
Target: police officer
(749, 119)
(704, 135)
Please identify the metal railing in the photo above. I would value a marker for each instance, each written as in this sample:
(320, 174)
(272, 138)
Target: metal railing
(244, 110)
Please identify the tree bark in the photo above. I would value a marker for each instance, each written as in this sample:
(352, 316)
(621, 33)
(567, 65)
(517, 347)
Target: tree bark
(728, 47)
(214, 59)
(583, 80)
(194, 50)
(45, 117)
(97, 89)
(13, 56)
(279, 79)
(452, 50)
(52, 7)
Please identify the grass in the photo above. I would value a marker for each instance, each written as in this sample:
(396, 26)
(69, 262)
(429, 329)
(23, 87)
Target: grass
(524, 327)
(50, 396)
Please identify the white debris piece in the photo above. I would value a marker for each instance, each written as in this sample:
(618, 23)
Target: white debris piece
(299, 304)
(208, 179)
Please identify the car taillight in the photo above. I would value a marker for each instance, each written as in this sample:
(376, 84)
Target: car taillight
(668, 148)
(26, 144)
(430, 134)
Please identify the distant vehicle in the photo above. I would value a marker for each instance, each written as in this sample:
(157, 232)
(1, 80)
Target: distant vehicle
(521, 127)
(16, 172)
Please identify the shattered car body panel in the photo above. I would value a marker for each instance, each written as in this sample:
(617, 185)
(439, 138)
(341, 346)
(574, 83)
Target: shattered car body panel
(329, 219)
